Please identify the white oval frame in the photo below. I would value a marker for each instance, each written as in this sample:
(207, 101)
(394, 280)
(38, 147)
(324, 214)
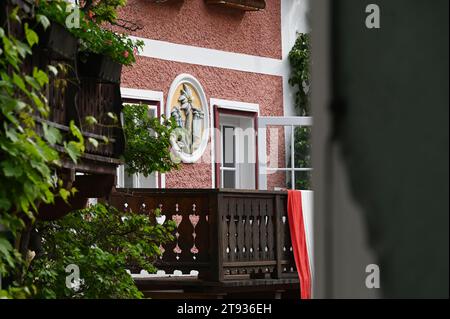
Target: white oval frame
(187, 78)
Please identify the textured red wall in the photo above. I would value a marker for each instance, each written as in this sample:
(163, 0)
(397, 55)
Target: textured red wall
(155, 74)
(192, 22)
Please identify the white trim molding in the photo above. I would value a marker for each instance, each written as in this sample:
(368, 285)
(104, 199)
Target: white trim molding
(210, 57)
(140, 94)
(235, 105)
(285, 120)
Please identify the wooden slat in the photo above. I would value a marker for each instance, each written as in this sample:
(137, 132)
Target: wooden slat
(240, 239)
(255, 230)
(263, 229)
(270, 230)
(231, 213)
(247, 230)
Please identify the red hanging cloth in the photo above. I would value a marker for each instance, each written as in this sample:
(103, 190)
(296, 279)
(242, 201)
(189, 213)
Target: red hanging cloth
(298, 239)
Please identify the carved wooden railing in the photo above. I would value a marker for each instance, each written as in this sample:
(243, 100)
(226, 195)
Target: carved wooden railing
(222, 234)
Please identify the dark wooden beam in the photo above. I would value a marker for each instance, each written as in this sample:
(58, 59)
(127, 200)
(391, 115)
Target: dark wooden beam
(246, 5)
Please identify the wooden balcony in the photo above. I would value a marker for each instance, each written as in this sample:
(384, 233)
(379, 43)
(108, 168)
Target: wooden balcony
(77, 99)
(238, 242)
(72, 98)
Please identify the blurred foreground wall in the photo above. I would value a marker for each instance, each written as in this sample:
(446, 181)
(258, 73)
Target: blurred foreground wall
(380, 148)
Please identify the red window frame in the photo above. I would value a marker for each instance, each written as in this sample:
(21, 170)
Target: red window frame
(218, 155)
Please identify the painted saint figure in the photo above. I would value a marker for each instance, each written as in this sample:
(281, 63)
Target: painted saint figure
(188, 140)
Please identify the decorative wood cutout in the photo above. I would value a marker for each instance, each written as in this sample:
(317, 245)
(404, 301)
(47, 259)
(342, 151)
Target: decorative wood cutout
(177, 219)
(252, 228)
(246, 5)
(160, 220)
(194, 219)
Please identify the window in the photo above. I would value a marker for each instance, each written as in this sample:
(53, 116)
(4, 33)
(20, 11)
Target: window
(138, 180)
(290, 134)
(237, 148)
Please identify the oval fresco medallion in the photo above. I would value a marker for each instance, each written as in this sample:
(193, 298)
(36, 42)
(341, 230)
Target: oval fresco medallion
(187, 105)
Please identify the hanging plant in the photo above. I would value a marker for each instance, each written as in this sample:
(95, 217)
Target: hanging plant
(93, 37)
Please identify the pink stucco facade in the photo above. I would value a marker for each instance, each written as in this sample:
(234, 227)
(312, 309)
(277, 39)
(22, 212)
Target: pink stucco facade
(194, 23)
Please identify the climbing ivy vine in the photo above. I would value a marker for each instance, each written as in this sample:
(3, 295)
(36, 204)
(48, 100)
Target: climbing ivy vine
(28, 160)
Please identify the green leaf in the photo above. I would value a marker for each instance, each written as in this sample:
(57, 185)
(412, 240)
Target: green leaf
(39, 104)
(19, 82)
(73, 150)
(43, 20)
(93, 141)
(32, 82)
(14, 14)
(52, 69)
(90, 120)
(112, 116)
(5, 251)
(32, 37)
(5, 204)
(40, 76)
(51, 134)
(64, 193)
(76, 131)
(11, 170)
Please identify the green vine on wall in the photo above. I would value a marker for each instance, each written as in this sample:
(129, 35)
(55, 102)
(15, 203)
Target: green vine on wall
(299, 58)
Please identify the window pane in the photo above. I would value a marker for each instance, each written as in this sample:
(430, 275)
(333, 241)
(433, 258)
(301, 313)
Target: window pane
(228, 154)
(303, 180)
(128, 181)
(302, 147)
(147, 182)
(229, 179)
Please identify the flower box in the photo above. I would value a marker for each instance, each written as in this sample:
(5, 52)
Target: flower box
(60, 43)
(99, 67)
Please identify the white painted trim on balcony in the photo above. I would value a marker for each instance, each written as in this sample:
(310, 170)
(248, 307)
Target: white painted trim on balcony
(285, 120)
(210, 57)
